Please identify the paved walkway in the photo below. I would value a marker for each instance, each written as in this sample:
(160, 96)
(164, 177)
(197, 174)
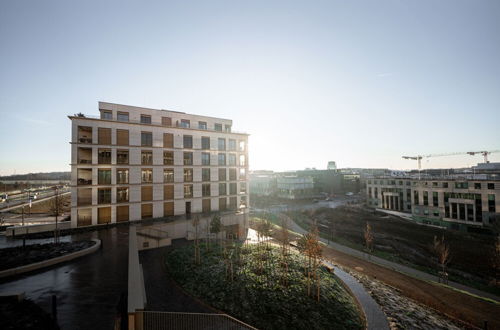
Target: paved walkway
(394, 266)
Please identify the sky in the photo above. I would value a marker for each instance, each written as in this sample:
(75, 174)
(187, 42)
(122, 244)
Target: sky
(361, 83)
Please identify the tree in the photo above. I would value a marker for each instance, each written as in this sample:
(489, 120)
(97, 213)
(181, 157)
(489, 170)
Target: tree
(368, 235)
(313, 251)
(442, 252)
(284, 238)
(196, 224)
(215, 225)
(56, 205)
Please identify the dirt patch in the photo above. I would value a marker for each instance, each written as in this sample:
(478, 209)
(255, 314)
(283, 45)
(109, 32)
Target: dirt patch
(25, 315)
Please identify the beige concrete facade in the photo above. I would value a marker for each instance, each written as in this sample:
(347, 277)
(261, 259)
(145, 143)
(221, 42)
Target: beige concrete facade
(466, 201)
(101, 179)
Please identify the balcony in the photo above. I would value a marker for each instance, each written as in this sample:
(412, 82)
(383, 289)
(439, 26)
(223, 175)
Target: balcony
(84, 156)
(84, 176)
(84, 134)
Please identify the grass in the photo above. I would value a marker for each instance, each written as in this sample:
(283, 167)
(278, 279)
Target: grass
(257, 295)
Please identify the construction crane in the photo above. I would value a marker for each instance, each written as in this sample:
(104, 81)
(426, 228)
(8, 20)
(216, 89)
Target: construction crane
(472, 153)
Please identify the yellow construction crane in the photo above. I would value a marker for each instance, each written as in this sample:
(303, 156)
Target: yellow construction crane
(472, 153)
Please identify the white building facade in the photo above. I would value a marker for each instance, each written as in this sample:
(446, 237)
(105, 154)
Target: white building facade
(134, 163)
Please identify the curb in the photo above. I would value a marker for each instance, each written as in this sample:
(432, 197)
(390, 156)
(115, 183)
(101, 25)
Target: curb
(49, 262)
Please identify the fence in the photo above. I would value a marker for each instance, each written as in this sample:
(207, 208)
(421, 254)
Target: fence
(149, 320)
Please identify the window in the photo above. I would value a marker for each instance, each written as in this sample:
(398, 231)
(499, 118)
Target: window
(232, 188)
(104, 215)
(146, 139)
(205, 174)
(168, 192)
(435, 213)
(121, 195)
(232, 203)
(243, 188)
(415, 197)
(122, 156)
(121, 175)
(206, 205)
(221, 144)
(491, 185)
(243, 202)
(187, 141)
(84, 156)
(188, 175)
(426, 198)
(146, 193)
(242, 160)
(166, 121)
(461, 185)
(84, 134)
(434, 198)
(104, 135)
(222, 174)
(104, 156)
(84, 197)
(168, 158)
(202, 125)
(477, 185)
(222, 204)
(185, 123)
(146, 211)
(146, 157)
(188, 158)
(205, 158)
(491, 203)
(227, 128)
(84, 217)
(205, 142)
(445, 184)
(168, 175)
(232, 145)
(242, 174)
(122, 213)
(232, 174)
(242, 145)
(104, 196)
(145, 119)
(146, 175)
(122, 137)
(222, 189)
(122, 116)
(222, 159)
(168, 140)
(84, 176)
(188, 191)
(434, 184)
(168, 209)
(106, 114)
(205, 190)
(218, 127)
(231, 161)
(104, 176)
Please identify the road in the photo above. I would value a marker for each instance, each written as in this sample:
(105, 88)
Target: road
(88, 289)
(23, 200)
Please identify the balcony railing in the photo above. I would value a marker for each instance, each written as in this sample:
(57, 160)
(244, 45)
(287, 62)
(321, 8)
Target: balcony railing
(83, 182)
(154, 123)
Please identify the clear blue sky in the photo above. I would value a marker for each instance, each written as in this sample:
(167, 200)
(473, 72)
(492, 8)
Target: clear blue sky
(358, 82)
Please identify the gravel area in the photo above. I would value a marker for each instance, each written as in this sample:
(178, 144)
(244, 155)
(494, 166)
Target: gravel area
(403, 312)
(20, 256)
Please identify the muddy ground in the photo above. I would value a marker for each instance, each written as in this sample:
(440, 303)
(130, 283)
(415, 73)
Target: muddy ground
(407, 242)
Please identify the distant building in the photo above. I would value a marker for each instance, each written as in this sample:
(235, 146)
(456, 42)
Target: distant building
(262, 183)
(294, 187)
(134, 163)
(331, 165)
(459, 201)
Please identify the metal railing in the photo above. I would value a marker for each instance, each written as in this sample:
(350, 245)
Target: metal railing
(189, 321)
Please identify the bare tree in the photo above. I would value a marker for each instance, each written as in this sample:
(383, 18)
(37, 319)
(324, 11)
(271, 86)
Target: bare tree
(284, 238)
(196, 224)
(56, 205)
(216, 226)
(442, 252)
(368, 235)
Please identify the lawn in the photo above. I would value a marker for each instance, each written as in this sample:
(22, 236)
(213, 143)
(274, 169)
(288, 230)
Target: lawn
(257, 294)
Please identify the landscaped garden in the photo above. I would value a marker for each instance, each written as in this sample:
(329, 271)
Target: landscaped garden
(266, 286)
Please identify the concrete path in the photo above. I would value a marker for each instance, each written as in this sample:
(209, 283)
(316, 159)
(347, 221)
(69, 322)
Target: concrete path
(393, 265)
(375, 317)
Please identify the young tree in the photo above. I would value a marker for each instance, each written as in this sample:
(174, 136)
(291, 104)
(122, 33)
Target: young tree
(495, 261)
(196, 224)
(442, 252)
(216, 225)
(312, 249)
(368, 235)
(56, 205)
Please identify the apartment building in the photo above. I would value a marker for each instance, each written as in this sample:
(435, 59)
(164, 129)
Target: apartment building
(458, 202)
(134, 163)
